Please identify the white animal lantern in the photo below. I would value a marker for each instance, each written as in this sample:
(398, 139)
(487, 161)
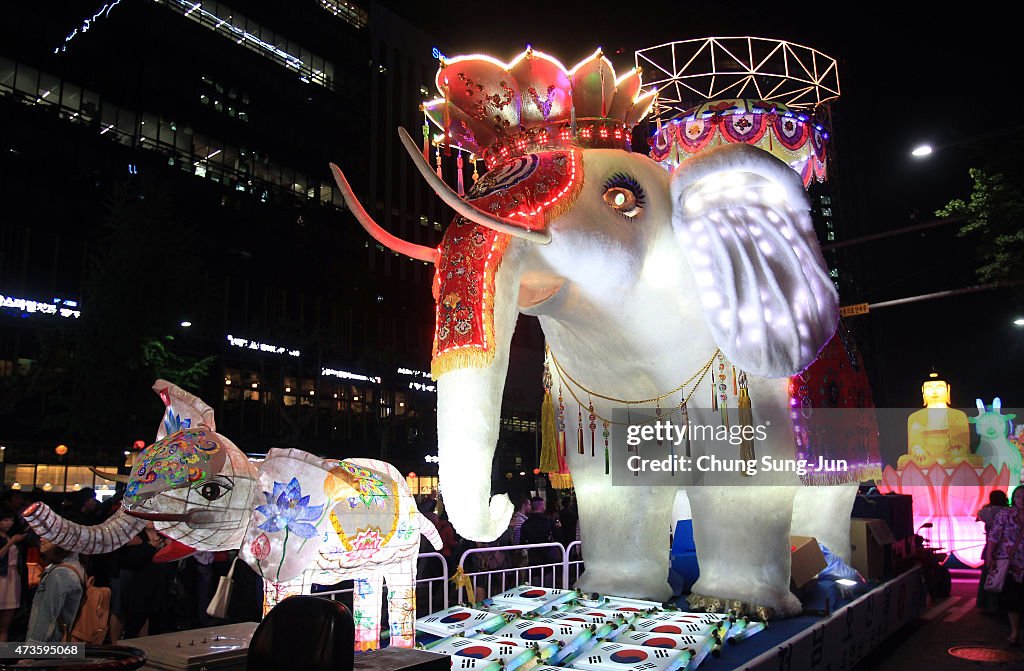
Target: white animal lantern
(299, 519)
(995, 446)
(638, 278)
(324, 521)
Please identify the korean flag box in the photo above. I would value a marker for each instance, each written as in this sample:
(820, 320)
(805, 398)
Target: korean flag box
(459, 620)
(480, 653)
(619, 657)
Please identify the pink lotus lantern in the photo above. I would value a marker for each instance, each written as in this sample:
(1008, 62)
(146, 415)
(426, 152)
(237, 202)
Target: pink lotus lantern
(949, 499)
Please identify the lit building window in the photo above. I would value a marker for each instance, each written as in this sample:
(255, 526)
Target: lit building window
(346, 11)
(254, 37)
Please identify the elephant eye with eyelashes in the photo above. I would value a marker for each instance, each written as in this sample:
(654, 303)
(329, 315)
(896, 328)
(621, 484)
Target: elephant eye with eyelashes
(212, 490)
(624, 195)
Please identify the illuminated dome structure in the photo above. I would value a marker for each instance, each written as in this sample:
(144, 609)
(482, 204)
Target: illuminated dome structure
(716, 90)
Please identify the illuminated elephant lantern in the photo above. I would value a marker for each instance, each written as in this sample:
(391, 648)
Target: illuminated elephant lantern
(202, 492)
(324, 521)
(639, 278)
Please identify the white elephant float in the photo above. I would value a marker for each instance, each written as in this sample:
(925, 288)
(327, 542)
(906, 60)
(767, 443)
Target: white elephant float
(638, 278)
(299, 519)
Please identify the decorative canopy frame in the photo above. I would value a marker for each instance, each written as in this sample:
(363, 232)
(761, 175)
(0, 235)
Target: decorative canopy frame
(690, 72)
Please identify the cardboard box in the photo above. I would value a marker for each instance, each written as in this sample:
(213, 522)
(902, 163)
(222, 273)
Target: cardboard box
(807, 560)
(871, 544)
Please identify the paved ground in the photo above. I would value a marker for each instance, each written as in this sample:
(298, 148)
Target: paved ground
(950, 623)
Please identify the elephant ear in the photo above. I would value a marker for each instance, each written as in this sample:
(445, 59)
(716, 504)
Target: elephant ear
(743, 220)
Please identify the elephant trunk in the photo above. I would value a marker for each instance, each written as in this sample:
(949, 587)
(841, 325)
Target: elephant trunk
(468, 414)
(99, 539)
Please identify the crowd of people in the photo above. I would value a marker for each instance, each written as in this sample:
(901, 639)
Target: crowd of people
(42, 585)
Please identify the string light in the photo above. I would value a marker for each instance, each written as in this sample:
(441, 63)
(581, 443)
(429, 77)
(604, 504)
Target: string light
(102, 12)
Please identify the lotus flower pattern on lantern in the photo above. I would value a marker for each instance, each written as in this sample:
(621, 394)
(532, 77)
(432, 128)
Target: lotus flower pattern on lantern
(286, 508)
(260, 547)
(174, 422)
(366, 544)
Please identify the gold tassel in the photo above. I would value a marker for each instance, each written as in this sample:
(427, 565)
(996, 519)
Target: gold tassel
(579, 431)
(746, 417)
(548, 435)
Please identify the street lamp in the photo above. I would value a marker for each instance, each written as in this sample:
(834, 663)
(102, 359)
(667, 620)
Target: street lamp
(922, 151)
(1019, 321)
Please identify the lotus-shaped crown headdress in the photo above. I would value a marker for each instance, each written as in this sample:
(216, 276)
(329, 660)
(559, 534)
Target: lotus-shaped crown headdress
(499, 110)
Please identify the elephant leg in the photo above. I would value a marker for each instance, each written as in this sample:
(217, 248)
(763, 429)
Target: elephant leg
(366, 602)
(824, 512)
(625, 533)
(742, 539)
(401, 581)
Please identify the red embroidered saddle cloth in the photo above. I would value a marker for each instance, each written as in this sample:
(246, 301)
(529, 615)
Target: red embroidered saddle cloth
(529, 190)
(837, 383)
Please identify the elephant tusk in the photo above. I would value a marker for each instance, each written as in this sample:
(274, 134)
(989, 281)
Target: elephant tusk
(114, 477)
(463, 208)
(193, 517)
(412, 250)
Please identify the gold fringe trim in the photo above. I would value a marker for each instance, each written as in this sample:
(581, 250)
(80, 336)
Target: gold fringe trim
(548, 435)
(560, 480)
(871, 473)
(465, 357)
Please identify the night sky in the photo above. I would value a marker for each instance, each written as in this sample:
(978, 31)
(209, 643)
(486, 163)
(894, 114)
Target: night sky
(906, 77)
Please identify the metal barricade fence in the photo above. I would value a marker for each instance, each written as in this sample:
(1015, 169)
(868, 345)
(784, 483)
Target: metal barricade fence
(560, 574)
(545, 573)
(573, 567)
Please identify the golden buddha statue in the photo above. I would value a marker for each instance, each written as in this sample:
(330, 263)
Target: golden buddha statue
(938, 435)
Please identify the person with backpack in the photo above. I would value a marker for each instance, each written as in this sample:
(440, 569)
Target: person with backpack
(55, 605)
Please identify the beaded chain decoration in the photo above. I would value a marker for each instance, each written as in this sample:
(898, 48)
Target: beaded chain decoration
(570, 381)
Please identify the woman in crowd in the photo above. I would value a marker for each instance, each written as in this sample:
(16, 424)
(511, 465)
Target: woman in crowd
(1005, 542)
(10, 574)
(987, 601)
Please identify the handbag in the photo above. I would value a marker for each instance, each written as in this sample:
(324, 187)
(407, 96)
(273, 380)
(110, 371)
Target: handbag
(996, 577)
(218, 607)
